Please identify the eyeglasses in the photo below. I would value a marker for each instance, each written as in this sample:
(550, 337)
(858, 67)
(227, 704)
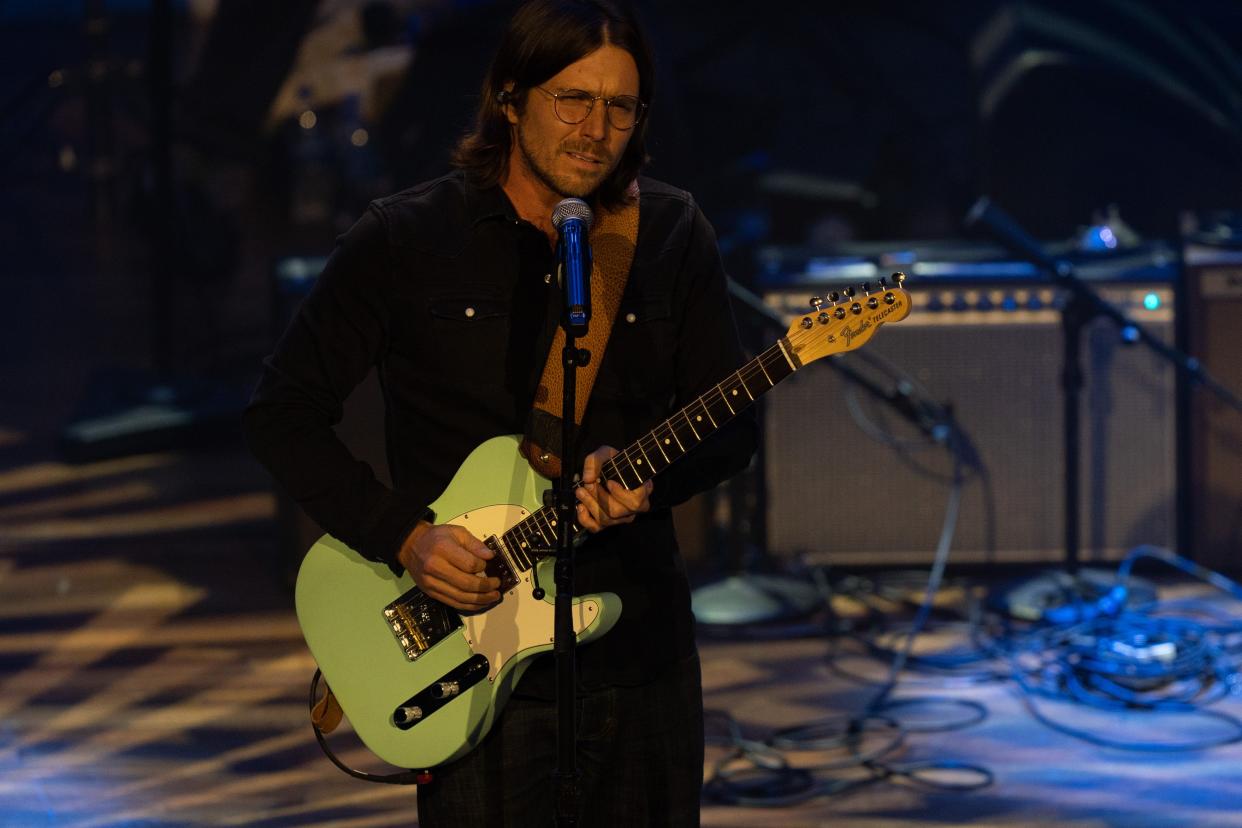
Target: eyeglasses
(573, 106)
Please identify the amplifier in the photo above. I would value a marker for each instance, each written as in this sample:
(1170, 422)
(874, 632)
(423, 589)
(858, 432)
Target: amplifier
(1214, 300)
(850, 481)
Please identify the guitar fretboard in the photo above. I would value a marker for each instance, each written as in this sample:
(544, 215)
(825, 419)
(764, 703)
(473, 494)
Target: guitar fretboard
(535, 536)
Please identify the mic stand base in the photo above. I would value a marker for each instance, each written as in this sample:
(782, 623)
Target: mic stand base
(754, 599)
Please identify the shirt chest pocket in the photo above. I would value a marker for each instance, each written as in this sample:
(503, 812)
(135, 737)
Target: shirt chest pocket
(641, 352)
(468, 309)
(467, 336)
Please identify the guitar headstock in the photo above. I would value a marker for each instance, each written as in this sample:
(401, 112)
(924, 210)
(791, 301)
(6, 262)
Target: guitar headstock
(848, 319)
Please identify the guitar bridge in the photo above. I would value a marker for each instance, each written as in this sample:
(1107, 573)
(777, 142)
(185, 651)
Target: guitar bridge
(418, 622)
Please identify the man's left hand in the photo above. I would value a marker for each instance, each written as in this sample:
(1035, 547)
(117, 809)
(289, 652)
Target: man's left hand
(604, 503)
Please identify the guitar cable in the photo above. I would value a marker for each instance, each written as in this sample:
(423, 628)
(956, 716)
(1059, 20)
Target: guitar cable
(408, 777)
(756, 773)
(1113, 658)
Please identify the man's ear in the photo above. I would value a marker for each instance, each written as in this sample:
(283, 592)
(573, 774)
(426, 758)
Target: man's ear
(505, 98)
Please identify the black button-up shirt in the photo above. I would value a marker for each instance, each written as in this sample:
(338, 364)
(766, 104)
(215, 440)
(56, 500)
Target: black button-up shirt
(453, 298)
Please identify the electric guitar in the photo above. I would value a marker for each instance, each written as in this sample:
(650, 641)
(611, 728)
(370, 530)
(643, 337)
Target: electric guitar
(422, 683)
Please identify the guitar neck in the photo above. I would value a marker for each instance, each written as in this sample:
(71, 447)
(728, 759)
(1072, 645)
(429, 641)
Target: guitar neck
(672, 439)
(533, 537)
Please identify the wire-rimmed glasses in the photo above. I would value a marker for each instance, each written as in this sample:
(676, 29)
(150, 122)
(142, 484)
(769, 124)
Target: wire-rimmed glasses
(573, 106)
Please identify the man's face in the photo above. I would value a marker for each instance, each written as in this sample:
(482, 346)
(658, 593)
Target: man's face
(572, 160)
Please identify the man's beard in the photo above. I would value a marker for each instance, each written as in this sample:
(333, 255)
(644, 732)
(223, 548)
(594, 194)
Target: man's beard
(541, 165)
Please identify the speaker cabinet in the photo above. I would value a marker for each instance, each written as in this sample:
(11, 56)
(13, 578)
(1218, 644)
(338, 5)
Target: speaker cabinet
(850, 481)
(1214, 301)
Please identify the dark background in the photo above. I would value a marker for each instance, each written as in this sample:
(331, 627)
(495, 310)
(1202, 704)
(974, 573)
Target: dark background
(154, 174)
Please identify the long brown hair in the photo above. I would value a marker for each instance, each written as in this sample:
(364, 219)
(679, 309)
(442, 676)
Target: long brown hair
(543, 38)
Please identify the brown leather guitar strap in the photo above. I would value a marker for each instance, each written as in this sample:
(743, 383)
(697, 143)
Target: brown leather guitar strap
(613, 238)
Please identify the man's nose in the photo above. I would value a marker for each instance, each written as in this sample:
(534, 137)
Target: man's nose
(595, 127)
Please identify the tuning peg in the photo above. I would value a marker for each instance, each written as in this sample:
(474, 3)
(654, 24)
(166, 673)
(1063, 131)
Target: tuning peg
(849, 291)
(866, 286)
(883, 283)
(816, 302)
(834, 297)
(899, 278)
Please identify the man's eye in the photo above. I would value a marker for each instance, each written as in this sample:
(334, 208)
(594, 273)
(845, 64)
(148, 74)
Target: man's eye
(625, 104)
(575, 96)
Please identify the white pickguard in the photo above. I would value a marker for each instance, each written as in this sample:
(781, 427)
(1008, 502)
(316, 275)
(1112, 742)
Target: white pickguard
(519, 622)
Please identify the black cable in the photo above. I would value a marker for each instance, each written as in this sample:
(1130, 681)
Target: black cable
(1108, 657)
(757, 773)
(408, 777)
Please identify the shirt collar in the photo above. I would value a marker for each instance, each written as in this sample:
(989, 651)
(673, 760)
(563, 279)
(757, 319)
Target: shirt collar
(488, 203)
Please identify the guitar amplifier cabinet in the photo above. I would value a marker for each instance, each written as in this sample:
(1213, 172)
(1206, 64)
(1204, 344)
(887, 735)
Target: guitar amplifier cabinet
(849, 481)
(1214, 300)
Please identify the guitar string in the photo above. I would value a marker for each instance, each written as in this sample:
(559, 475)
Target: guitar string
(773, 356)
(611, 470)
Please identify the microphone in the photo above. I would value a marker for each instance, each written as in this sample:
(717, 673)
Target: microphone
(572, 219)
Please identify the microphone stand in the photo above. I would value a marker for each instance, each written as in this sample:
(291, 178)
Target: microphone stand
(1084, 304)
(757, 598)
(575, 321)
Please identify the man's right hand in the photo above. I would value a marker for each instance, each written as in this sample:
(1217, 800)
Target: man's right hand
(447, 564)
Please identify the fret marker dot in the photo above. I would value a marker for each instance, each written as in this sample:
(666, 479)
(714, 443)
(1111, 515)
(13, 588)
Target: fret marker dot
(735, 392)
(638, 462)
(666, 441)
(699, 419)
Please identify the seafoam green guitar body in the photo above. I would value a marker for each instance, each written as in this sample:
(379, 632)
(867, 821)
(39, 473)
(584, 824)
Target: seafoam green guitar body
(342, 600)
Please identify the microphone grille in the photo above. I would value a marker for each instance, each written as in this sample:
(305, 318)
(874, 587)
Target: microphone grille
(572, 208)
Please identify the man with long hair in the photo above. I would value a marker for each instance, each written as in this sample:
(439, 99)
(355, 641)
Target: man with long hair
(448, 288)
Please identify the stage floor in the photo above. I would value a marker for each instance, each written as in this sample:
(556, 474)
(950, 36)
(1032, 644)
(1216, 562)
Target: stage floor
(152, 673)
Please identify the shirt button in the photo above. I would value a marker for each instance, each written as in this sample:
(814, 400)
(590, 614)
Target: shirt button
(469, 313)
(631, 318)
(547, 278)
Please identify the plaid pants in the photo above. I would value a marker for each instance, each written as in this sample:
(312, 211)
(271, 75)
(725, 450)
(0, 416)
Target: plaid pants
(640, 761)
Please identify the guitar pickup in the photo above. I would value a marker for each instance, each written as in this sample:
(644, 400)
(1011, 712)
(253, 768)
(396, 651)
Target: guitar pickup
(440, 692)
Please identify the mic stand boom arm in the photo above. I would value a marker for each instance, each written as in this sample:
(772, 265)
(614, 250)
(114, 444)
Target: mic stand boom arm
(1083, 306)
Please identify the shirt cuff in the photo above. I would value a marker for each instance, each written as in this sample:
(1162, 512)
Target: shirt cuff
(391, 523)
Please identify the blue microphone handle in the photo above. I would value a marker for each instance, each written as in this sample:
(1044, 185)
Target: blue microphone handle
(576, 260)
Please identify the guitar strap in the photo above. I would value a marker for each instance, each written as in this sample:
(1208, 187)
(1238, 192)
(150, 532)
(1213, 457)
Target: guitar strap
(613, 239)
(326, 715)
